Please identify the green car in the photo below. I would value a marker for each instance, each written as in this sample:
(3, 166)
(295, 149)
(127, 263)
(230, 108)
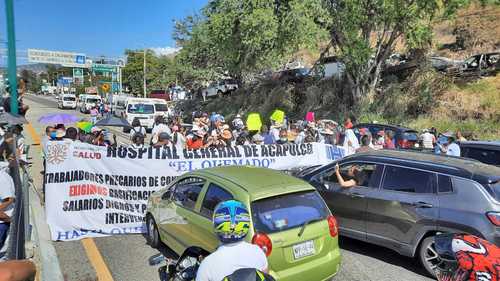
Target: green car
(290, 220)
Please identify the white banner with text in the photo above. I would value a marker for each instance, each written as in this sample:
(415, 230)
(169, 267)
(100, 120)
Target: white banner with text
(94, 191)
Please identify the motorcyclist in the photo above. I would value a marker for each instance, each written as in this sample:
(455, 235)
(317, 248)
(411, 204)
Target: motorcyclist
(231, 221)
(477, 259)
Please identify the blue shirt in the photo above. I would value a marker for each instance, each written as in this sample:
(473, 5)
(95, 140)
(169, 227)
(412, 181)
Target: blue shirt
(268, 138)
(453, 149)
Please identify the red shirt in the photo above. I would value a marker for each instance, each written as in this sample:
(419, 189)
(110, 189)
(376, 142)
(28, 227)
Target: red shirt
(389, 144)
(197, 144)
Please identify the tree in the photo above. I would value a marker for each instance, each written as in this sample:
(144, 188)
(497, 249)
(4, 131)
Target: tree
(240, 37)
(160, 71)
(364, 33)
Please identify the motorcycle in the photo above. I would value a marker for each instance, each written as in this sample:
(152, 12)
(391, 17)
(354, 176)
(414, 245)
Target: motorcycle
(466, 257)
(182, 269)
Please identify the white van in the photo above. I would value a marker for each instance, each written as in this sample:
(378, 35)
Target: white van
(141, 108)
(66, 101)
(161, 108)
(88, 102)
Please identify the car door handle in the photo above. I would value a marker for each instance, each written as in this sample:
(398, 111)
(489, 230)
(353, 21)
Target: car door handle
(357, 195)
(422, 205)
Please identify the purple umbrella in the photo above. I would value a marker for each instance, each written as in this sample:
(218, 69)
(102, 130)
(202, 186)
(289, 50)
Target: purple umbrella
(58, 118)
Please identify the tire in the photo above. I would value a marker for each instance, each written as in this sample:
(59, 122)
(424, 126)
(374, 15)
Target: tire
(153, 236)
(428, 257)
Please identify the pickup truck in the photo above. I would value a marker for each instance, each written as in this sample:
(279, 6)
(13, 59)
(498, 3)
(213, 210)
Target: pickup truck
(220, 88)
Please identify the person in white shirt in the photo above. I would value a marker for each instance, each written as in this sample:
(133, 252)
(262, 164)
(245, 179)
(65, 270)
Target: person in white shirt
(234, 253)
(160, 126)
(451, 148)
(428, 139)
(7, 196)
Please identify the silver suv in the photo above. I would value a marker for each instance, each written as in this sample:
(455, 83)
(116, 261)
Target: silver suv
(403, 199)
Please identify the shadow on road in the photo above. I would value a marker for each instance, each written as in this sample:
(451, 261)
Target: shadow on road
(382, 254)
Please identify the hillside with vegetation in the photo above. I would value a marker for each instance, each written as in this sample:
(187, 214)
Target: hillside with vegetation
(424, 99)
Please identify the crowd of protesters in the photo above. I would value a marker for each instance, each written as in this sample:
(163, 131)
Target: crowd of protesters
(12, 152)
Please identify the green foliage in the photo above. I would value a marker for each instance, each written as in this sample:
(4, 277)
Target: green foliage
(241, 37)
(160, 71)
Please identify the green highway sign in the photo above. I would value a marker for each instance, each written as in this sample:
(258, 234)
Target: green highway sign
(103, 67)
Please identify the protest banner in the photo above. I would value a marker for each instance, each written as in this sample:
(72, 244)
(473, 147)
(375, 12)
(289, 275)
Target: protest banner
(93, 191)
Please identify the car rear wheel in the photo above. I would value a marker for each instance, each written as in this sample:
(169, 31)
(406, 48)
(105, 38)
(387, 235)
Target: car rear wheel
(429, 257)
(153, 237)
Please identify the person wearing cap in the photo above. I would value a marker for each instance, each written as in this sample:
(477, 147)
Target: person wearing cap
(328, 137)
(428, 139)
(238, 122)
(450, 148)
(163, 140)
(196, 140)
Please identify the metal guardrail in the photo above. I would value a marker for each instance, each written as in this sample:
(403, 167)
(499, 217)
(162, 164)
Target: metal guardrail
(20, 233)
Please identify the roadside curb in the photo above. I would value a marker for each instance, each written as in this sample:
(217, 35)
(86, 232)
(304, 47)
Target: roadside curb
(49, 262)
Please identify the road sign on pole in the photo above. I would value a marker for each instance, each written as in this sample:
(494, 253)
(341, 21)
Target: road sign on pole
(55, 57)
(78, 75)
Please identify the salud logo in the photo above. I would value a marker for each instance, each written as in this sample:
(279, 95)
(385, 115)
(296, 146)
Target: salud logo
(57, 153)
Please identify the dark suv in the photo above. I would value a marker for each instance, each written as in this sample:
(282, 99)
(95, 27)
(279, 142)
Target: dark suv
(405, 198)
(404, 138)
(485, 151)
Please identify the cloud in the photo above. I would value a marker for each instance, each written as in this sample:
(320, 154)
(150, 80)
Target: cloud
(163, 51)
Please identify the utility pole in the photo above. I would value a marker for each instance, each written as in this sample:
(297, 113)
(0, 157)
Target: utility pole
(144, 74)
(11, 54)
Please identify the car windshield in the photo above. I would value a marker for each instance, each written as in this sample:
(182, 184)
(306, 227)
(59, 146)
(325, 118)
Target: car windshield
(288, 211)
(161, 107)
(140, 108)
(69, 99)
(94, 100)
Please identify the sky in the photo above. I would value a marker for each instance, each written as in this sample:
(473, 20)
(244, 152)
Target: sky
(96, 27)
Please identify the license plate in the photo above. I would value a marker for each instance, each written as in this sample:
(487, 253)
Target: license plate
(303, 250)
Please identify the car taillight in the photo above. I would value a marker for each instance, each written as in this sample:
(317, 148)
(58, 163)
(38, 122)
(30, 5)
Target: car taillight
(494, 218)
(264, 242)
(332, 224)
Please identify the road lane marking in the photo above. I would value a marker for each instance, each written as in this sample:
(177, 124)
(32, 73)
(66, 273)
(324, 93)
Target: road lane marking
(96, 259)
(34, 135)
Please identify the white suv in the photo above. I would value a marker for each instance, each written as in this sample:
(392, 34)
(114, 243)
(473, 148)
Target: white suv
(220, 88)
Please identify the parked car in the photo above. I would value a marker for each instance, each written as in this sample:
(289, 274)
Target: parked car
(403, 199)
(404, 138)
(479, 65)
(290, 220)
(295, 75)
(220, 88)
(442, 63)
(485, 151)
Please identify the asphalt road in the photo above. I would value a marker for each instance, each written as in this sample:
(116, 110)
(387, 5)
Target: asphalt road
(125, 258)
